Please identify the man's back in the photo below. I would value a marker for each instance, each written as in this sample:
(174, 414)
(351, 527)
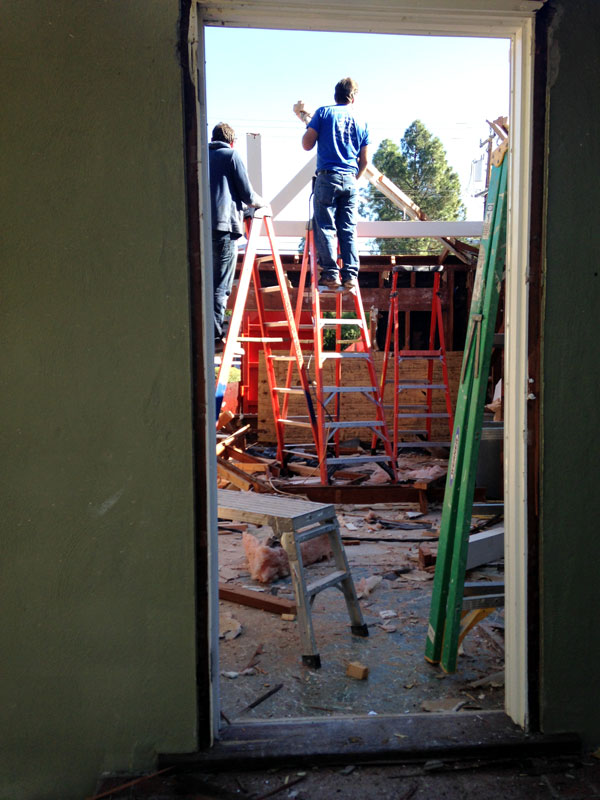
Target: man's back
(340, 138)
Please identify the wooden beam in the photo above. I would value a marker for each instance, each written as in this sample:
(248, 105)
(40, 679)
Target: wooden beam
(224, 443)
(262, 600)
(237, 477)
(395, 229)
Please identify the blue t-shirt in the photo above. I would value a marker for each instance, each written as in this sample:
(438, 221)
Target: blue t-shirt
(340, 138)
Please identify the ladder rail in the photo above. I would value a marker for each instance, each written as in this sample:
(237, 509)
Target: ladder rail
(448, 588)
(236, 316)
(250, 271)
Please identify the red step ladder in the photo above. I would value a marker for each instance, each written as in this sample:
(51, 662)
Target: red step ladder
(331, 410)
(423, 408)
(270, 332)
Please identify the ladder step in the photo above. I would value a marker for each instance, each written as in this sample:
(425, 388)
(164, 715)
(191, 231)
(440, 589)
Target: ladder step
(344, 354)
(320, 530)
(420, 354)
(270, 289)
(407, 386)
(327, 322)
(421, 443)
(324, 583)
(296, 423)
(282, 358)
(283, 323)
(358, 459)
(285, 390)
(334, 389)
(261, 339)
(422, 415)
(359, 423)
(300, 453)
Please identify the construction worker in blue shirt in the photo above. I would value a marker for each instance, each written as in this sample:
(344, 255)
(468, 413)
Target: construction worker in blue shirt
(342, 155)
(230, 189)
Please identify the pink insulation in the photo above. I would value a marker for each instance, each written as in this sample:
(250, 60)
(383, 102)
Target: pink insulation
(268, 561)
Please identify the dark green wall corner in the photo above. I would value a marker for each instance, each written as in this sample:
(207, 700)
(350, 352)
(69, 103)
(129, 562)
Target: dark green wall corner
(97, 529)
(570, 544)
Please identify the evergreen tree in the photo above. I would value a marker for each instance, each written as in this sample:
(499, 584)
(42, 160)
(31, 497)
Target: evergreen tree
(419, 167)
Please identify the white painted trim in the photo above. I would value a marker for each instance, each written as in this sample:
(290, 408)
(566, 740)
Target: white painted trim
(210, 512)
(401, 229)
(516, 373)
(254, 160)
(439, 17)
(291, 189)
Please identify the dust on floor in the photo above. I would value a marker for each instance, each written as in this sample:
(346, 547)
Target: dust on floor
(264, 659)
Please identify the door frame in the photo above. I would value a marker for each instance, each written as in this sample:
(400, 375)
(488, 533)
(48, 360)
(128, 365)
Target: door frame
(505, 19)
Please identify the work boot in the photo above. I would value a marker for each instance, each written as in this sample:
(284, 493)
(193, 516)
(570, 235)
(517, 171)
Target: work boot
(350, 284)
(331, 283)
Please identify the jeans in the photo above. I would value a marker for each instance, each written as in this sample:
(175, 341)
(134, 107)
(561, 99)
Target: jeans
(224, 258)
(335, 214)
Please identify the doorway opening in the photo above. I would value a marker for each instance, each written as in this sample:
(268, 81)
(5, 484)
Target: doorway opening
(518, 33)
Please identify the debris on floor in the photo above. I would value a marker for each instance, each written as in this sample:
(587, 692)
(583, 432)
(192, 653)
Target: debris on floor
(267, 560)
(395, 600)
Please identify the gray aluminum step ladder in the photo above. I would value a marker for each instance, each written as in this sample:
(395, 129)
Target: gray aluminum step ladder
(293, 522)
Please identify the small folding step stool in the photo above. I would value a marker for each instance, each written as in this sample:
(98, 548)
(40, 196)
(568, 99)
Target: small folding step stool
(293, 522)
(422, 409)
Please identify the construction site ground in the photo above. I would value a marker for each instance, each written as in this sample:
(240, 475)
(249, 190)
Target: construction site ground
(260, 651)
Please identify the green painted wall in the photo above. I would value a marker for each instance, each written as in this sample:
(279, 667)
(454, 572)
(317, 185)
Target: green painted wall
(96, 491)
(571, 358)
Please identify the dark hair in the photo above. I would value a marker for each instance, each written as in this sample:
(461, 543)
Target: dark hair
(345, 91)
(223, 133)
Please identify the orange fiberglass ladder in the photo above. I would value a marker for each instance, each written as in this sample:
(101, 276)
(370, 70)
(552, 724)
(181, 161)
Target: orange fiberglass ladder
(420, 405)
(286, 330)
(330, 406)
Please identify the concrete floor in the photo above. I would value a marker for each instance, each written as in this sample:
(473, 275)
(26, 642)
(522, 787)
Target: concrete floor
(399, 681)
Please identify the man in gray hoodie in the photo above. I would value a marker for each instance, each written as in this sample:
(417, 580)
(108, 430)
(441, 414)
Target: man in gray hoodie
(230, 190)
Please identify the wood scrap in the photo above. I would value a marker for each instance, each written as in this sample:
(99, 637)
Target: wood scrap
(232, 527)
(241, 455)
(246, 597)
(238, 478)
(229, 440)
(427, 556)
(255, 656)
(264, 697)
(387, 536)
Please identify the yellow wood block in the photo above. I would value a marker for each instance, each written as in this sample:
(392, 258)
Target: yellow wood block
(357, 670)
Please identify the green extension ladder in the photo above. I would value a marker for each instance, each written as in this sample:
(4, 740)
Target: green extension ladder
(444, 630)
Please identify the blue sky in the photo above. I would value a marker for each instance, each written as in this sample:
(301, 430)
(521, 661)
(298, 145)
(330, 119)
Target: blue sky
(451, 84)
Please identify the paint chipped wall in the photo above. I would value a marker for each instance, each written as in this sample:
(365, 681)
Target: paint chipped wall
(97, 546)
(570, 545)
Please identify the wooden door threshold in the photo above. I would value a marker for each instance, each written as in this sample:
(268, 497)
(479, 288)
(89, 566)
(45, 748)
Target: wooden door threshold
(368, 740)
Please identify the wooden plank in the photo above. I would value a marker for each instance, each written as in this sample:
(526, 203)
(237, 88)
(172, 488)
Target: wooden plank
(224, 443)
(240, 455)
(262, 600)
(248, 467)
(231, 473)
